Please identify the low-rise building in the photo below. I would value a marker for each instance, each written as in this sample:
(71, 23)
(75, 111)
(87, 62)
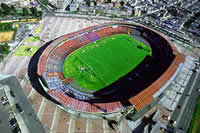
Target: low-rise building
(83, 8)
(116, 4)
(74, 7)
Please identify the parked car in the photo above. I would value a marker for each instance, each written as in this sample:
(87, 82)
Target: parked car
(19, 108)
(13, 121)
(4, 100)
(12, 93)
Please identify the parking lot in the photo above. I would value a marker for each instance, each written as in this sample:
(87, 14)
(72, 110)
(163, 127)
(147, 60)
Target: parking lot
(7, 121)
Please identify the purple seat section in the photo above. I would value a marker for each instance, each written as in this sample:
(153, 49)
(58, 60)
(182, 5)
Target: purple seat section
(92, 36)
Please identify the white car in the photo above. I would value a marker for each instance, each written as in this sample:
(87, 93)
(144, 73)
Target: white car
(4, 100)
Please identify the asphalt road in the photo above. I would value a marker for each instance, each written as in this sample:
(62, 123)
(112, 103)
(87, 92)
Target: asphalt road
(185, 108)
(29, 117)
(4, 115)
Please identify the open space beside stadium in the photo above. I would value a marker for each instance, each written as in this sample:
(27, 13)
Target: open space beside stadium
(104, 61)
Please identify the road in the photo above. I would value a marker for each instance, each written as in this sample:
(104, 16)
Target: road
(4, 117)
(27, 119)
(185, 108)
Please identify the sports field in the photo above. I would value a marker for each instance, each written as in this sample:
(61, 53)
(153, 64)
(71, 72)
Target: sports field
(101, 63)
(32, 39)
(26, 50)
(195, 122)
(38, 29)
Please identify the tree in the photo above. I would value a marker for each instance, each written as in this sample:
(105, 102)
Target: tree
(2, 13)
(5, 8)
(67, 8)
(4, 49)
(34, 11)
(14, 11)
(133, 13)
(40, 13)
(87, 2)
(108, 1)
(122, 3)
(25, 12)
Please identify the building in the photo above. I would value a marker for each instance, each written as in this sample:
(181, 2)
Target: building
(100, 0)
(74, 7)
(117, 4)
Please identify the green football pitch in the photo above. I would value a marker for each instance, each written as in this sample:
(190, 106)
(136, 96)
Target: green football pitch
(99, 64)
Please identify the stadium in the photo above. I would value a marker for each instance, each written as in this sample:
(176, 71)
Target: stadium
(104, 68)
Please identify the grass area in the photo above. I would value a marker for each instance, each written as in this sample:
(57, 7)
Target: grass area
(38, 30)
(101, 63)
(195, 122)
(6, 27)
(44, 2)
(4, 51)
(33, 39)
(26, 50)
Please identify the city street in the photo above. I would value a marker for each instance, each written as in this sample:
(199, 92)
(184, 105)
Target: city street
(186, 105)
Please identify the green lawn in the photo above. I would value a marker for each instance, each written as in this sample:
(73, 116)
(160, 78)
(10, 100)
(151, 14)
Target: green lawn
(101, 63)
(32, 39)
(6, 27)
(195, 122)
(38, 30)
(26, 50)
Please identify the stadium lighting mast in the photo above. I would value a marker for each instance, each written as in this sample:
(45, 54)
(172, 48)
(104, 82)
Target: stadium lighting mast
(115, 124)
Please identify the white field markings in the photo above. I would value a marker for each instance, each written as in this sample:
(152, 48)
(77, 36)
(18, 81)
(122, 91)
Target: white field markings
(31, 93)
(70, 124)
(87, 125)
(41, 108)
(104, 126)
(53, 124)
(22, 83)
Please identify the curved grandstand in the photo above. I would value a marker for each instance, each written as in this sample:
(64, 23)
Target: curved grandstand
(105, 67)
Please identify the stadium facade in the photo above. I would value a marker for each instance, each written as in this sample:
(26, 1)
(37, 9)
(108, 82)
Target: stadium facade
(138, 88)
